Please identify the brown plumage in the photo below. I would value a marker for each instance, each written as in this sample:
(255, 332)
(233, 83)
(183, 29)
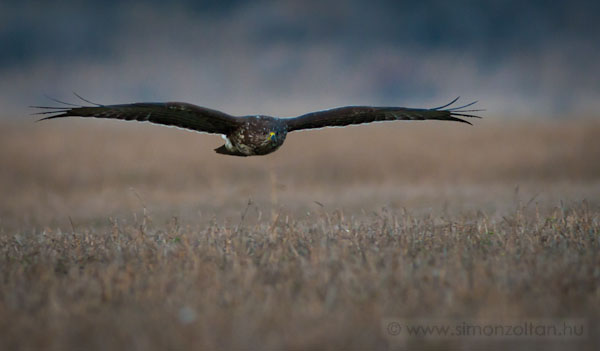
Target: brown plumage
(254, 135)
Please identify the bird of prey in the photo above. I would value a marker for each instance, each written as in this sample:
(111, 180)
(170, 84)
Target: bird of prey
(254, 134)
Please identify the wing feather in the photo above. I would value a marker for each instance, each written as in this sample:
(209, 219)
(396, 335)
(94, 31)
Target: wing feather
(348, 115)
(178, 114)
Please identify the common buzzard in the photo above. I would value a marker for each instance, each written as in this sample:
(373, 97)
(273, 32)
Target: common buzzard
(254, 134)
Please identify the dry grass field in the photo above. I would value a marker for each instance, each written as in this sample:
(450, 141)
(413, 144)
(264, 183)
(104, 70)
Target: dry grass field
(127, 236)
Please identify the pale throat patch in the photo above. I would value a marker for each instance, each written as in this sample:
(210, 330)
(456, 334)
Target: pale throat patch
(228, 143)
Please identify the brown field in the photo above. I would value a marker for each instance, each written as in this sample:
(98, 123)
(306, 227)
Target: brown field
(117, 235)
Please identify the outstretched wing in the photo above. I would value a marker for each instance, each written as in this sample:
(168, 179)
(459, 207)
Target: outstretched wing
(178, 114)
(344, 116)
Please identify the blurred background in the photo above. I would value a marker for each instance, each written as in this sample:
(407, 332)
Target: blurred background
(519, 58)
(533, 65)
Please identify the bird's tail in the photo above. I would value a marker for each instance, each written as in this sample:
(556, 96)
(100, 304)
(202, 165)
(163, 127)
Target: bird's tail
(224, 151)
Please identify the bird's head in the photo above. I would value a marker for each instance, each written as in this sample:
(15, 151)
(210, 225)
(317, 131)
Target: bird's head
(267, 133)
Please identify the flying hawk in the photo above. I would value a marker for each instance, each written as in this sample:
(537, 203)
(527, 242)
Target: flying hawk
(254, 134)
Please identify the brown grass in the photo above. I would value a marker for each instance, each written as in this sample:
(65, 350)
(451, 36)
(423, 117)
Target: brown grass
(130, 236)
